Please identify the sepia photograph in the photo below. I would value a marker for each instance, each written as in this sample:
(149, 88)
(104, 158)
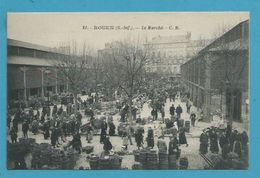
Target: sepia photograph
(128, 91)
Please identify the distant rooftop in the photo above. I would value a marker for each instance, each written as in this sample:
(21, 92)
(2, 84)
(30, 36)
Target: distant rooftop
(183, 38)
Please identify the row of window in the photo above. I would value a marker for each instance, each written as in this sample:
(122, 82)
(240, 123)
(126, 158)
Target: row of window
(172, 61)
(19, 51)
(166, 54)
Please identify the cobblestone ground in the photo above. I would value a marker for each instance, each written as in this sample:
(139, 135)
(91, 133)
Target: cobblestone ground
(191, 152)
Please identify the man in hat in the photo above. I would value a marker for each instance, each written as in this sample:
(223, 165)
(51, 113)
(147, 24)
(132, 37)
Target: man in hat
(179, 111)
(204, 142)
(172, 110)
(150, 138)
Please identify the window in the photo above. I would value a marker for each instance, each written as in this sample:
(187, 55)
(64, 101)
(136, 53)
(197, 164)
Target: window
(26, 52)
(12, 50)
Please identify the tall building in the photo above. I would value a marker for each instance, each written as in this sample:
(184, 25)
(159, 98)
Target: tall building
(169, 52)
(217, 77)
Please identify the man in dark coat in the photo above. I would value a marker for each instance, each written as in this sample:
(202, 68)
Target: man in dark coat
(54, 137)
(224, 145)
(150, 138)
(213, 141)
(182, 137)
(238, 145)
(173, 147)
(15, 121)
(103, 135)
(76, 142)
(25, 128)
(154, 114)
(244, 141)
(204, 142)
(232, 139)
(112, 128)
(104, 125)
(107, 145)
(46, 129)
(13, 135)
(172, 110)
(179, 111)
(139, 138)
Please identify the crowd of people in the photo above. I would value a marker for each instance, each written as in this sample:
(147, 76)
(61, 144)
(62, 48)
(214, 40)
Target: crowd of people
(229, 140)
(58, 122)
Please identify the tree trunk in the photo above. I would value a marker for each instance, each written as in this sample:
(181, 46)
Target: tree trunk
(75, 103)
(130, 119)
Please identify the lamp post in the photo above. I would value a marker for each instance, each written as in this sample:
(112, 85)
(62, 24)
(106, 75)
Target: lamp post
(228, 101)
(24, 69)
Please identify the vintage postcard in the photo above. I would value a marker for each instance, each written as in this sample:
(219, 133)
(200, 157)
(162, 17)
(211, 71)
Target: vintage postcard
(131, 91)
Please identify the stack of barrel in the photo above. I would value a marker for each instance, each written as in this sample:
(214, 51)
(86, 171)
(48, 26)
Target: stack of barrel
(163, 160)
(137, 155)
(143, 158)
(172, 162)
(151, 161)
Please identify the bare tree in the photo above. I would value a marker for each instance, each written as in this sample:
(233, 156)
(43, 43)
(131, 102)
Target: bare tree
(72, 63)
(125, 68)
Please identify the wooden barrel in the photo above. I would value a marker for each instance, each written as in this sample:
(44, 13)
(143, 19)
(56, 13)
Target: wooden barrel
(183, 163)
(172, 162)
(151, 160)
(163, 160)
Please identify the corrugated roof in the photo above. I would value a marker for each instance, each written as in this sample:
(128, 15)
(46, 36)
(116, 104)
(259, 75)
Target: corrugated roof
(17, 43)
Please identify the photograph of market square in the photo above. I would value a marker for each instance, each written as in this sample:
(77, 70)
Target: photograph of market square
(128, 91)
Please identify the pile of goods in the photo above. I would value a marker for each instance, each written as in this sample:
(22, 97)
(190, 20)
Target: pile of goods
(88, 149)
(105, 162)
(149, 160)
(45, 157)
(20, 149)
(232, 161)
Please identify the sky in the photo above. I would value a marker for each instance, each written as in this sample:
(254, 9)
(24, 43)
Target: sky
(51, 29)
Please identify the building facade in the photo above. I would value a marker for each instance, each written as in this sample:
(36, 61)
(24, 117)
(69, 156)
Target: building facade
(170, 52)
(217, 77)
(31, 71)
